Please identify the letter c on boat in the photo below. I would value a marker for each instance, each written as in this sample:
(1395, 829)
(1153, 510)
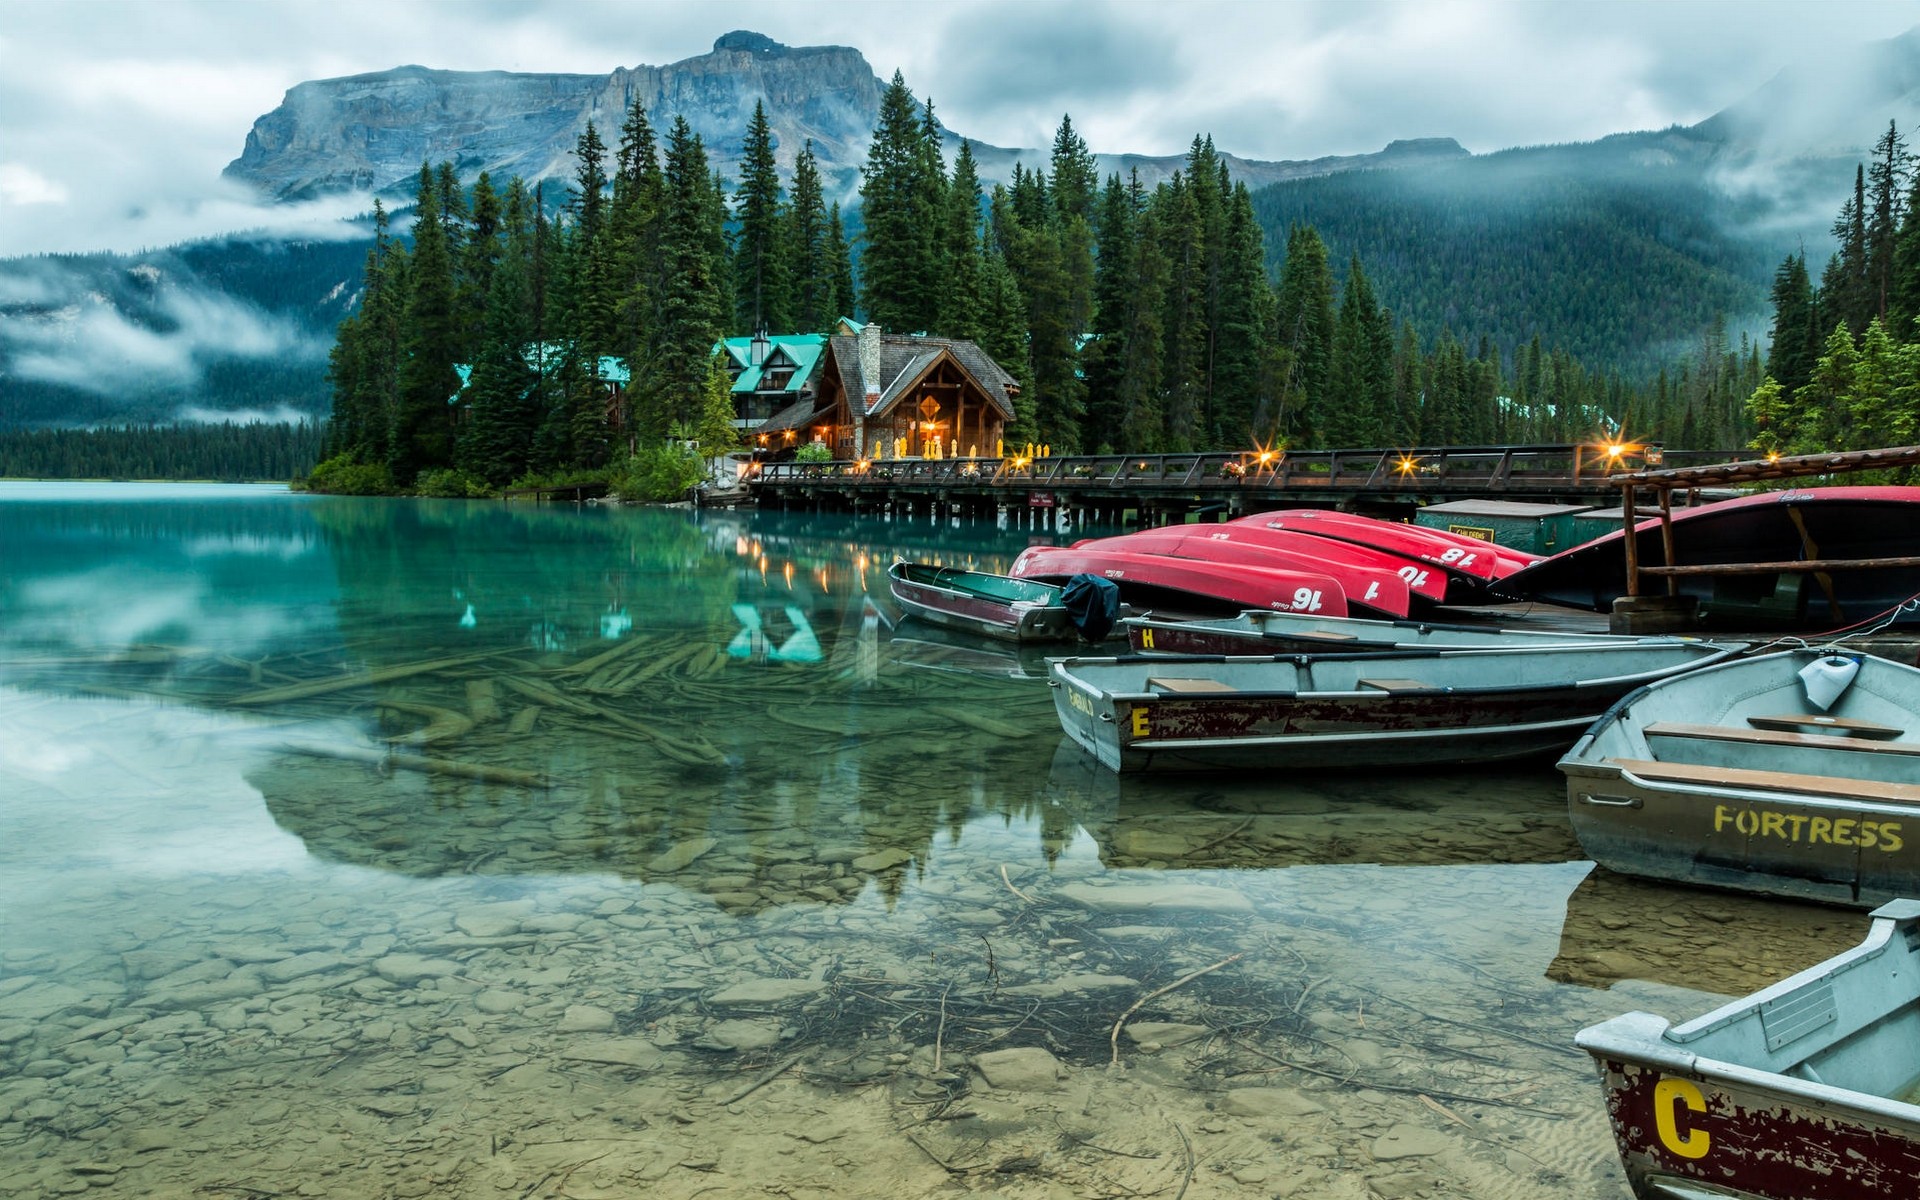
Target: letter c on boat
(1669, 1096)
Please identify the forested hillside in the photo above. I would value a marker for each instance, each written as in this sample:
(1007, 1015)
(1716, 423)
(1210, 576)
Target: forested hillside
(230, 326)
(1620, 263)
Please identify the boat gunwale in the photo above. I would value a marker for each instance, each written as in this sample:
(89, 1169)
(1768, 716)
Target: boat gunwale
(1064, 667)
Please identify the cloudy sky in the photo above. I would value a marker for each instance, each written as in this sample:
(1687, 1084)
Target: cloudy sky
(117, 117)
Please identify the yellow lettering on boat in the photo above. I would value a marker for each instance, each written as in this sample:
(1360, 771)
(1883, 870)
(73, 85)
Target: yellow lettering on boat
(1146, 639)
(1799, 828)
(1079, 703)
(1140, 729)
(1669, 1096)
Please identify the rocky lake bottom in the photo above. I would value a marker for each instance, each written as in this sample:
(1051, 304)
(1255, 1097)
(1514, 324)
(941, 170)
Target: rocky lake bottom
(359, 849)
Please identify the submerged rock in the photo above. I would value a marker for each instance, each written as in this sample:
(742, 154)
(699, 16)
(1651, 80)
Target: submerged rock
(1022, 1069)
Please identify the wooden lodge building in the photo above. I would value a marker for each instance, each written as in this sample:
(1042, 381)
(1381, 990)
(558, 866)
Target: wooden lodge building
(868, 394)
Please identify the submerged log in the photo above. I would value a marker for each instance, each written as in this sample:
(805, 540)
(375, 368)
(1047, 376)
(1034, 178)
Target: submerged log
(443, 724)
(411, 762)
(322, 687)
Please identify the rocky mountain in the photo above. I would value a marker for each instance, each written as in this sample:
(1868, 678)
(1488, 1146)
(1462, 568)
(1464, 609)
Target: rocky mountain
(372, 132)
(1670, 228)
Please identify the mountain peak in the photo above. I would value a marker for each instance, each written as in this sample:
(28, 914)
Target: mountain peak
(746, 39)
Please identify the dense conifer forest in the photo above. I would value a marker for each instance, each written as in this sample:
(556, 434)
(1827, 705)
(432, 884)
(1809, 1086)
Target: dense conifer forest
(225, 453)
(1137, 319)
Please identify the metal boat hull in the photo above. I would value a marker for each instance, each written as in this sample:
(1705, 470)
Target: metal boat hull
(1801, 1091)
(1691, 781)
(961, 600)
(1435, 708)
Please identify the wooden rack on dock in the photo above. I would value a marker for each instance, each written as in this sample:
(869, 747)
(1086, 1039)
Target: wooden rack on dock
(1665, 482)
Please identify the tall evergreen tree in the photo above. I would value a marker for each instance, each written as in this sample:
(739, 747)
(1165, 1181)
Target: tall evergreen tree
(1354, 408)
(1304, 317)
(841, 299)
(762, 295)
(1795, 344)
(1845, 291)
(422, 430)
(1887, 180)
(1242, 358)
(962, 303)
(692, 306)
(896, 290)
(807, 251)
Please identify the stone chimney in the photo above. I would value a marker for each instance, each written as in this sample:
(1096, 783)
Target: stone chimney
(870, 364)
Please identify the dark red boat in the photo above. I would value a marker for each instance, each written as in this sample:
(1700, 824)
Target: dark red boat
(1768, 527)
(1157, 580)
(1802, 1091)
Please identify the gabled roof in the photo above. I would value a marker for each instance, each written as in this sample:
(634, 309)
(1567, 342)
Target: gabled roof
(905, 360)
(801, 350)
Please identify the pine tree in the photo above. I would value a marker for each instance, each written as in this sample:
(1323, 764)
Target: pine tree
(1075, 180)
(1795, 344)
(1887, 180)
(422, 432)
(841, 299)
(1104, 357)
(761, 283)
(962, 305)
(1353, 415)
(895, 290)
(1845, 292)
(691, 307)
(1304, 317)
(1242, 359)
(806, 248)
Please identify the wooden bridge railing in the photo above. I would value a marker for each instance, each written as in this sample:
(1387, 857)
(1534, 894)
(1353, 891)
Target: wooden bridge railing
(1491, 470)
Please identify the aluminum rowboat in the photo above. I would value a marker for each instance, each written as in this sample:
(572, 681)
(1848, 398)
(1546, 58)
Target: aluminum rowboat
(1802, 1091)
(1735, 778)
(1204, 713)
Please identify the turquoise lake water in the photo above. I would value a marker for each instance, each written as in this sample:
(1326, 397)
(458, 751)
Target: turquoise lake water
(402, 848)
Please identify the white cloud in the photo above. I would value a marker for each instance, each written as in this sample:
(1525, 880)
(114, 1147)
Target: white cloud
(121, 114)
(21, 185)
(89, 344)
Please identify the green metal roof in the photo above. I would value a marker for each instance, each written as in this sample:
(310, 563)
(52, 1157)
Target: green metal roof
(802, 349)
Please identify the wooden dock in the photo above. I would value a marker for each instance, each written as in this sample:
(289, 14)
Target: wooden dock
(1160, 487)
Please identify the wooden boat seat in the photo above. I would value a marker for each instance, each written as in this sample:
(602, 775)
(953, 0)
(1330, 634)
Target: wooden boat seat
(1397, 685)
(1771, 781)
(1189, 686)
(1771, 737)
(1844, 725)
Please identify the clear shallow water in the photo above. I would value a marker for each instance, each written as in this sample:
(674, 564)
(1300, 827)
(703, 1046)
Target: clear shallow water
(760, 890)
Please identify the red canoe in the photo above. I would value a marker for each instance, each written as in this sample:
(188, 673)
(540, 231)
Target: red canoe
(1372, 586)
(1471, 568)
(1149, 579)
(1422, 580)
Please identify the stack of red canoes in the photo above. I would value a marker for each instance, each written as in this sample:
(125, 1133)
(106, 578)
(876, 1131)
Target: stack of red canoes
(1297, 560)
